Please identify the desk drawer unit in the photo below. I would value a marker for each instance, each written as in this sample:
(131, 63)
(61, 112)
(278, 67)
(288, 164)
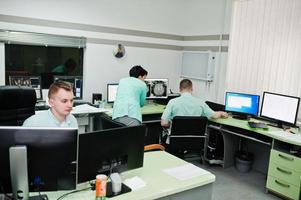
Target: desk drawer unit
(284, 174)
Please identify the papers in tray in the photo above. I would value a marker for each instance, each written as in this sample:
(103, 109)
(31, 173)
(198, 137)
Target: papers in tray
(85, 108)
(185, 172)
(135, 183)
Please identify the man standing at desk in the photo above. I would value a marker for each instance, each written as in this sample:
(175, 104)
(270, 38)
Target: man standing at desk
(60, 96)
(131, 95)
(187, 105)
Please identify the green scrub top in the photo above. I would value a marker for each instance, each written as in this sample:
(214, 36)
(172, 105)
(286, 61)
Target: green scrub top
(130, 98)
(186, 105)
(47, 119)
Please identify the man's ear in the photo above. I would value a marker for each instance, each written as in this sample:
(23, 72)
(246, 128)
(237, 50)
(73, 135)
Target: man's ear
(51, 102)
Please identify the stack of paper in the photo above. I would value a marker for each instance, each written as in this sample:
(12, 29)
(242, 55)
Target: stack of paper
(185, 172)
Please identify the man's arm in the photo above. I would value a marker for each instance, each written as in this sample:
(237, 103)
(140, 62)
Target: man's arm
(165, 123)
(219, 114)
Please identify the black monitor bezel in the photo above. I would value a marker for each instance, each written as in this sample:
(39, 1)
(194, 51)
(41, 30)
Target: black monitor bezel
(244, 113)
(109, 84)
(129, 140)
(277, 120)
(40, 138)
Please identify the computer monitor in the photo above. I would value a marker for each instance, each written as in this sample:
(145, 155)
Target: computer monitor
(157, 88)
(241, 105)
(29, 81)
(116, 149)
(75, 81)
(279, 108)
(49, 159)
(111, 92)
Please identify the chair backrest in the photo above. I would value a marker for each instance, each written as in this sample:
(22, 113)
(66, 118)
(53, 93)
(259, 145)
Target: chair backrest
(16, 104)
(187, 133)
(215, 106)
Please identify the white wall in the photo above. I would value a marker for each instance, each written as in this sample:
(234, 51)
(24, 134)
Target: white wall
(177, 17)
(265, 47)
(102, 68)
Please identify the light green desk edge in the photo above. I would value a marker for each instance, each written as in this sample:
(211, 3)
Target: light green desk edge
(243, 124)
(158, 183)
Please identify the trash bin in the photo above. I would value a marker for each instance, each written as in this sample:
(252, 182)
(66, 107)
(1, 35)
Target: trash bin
(243, 161)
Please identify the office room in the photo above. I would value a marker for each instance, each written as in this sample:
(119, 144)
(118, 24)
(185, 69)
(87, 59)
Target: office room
(247, 47)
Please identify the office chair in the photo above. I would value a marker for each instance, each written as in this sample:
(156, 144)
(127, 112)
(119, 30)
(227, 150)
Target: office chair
(215, 106)
(187, 136)
(154, 147)
(16, 104)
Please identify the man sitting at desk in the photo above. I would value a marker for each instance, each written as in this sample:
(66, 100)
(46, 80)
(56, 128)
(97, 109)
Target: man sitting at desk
(60, 96)
(187, 105)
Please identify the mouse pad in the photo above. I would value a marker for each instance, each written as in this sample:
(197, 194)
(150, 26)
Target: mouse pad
(124, 189)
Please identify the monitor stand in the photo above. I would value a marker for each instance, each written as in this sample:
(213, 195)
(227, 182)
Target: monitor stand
(19, 174)
(240, 116)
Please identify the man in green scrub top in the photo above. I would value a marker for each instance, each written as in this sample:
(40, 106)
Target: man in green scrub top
(66, 68)
(187, 105)
(130, 97)
(60, 96)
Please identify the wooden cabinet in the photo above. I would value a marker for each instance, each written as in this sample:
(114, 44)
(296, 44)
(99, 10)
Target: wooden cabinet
(284, 175)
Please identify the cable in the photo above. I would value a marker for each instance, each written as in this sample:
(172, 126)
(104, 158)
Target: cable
(64, 195)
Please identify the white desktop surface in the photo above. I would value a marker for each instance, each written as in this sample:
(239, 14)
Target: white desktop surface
(158, 183)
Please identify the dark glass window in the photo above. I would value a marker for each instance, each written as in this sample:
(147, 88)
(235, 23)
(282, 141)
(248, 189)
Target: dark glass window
(46, 62)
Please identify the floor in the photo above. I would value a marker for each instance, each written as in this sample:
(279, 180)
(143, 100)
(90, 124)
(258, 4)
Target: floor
(235, 185)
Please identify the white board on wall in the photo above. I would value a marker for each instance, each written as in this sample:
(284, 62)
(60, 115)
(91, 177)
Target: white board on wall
(198, 65)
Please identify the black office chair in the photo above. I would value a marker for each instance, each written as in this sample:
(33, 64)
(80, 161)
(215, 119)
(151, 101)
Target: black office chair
(16, 104)
(187, 136)
(215, 106)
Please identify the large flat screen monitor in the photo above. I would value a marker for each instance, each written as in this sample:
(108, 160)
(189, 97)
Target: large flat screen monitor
(111, 92)
(242, 105)
(116, 149)
(49, 159)
(282, 109)
(157, 88)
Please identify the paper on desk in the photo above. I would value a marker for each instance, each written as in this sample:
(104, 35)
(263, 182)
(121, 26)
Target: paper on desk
(287, 135)
(185, 172)
(135, 183)
(84, 108)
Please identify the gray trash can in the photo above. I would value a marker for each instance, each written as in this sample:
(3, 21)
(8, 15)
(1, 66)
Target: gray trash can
(243, 161)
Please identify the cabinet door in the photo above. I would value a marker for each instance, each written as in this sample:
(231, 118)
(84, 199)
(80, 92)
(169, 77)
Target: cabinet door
(286, 160)
(283, 187)
(284, 173)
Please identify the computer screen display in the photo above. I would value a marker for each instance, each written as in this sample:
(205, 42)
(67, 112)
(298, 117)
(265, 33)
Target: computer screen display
(29, 81)
(157, 88)
(281, 108)
(242, 103)
(111, 92)
(51, 157)
(116, 149)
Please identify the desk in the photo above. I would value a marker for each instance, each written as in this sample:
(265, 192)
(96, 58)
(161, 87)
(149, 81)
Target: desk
(269, 148)
(159, 185)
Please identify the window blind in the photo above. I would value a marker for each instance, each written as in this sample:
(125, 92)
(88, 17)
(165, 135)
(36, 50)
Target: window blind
(16, 37)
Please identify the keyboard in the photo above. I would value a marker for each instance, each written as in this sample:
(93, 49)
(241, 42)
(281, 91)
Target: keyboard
(258, 125)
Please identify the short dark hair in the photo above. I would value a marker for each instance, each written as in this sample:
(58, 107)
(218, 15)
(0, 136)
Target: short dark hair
(185, 84)
(137, 71)
(54, 87)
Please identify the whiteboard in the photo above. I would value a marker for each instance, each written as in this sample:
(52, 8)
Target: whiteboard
(197, 65)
